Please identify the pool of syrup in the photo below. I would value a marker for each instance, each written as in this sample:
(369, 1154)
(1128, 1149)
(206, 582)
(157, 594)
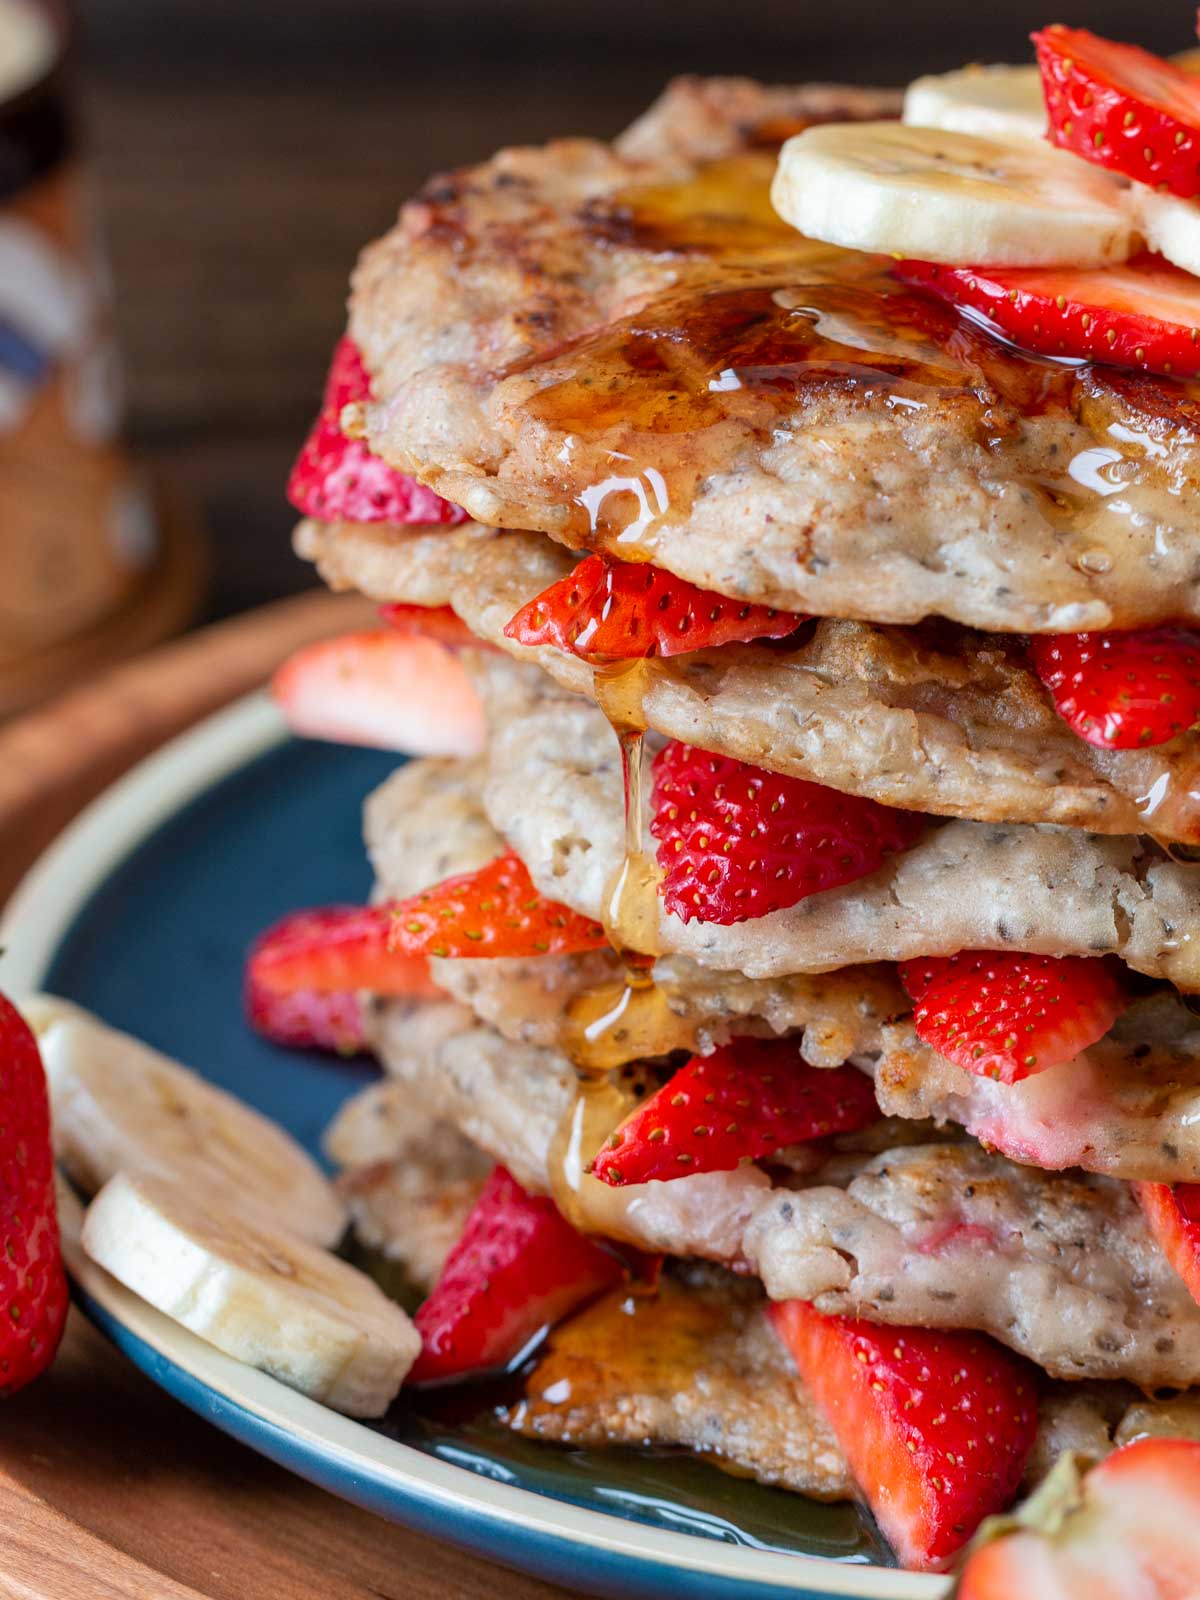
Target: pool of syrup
(464, 1424)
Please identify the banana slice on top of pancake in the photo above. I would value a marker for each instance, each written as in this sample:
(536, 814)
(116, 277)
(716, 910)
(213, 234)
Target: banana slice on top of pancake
(950, 197)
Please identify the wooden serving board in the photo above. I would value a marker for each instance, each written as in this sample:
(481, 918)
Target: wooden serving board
(110, 1489)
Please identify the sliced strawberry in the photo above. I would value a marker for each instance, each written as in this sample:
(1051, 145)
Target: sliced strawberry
(736, 841)
(518, 1268)
(1144, 314)
(387, 690)
(337, 479)
(1122, 108)
(1122, 691)
(624, 610)
(1173, 1212)
(495, 911)
(742, 1103)
(431, 622)
(936, 1427)
(307, 1019)
(1128, 1530)
(331, 952)
(33, 1285)
(1007, 1016)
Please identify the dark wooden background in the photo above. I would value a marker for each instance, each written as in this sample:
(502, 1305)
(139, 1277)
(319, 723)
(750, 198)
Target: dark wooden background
(245, 149)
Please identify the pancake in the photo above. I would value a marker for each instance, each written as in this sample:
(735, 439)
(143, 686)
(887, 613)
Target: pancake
(695, 1365)
(554, 791)
(942, 720)
(1129, 1106)
(408, 1178)
(787, 423)
(427, 822)
(1059, 1266)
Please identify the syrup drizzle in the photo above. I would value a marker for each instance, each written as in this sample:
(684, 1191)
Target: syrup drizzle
(600, 1105)
(630, 1018)
(741, 323)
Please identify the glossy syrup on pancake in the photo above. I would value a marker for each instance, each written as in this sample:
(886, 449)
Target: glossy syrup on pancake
(628, 1018)
(758, 318)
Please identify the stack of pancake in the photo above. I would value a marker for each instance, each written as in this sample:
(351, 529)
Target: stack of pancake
(622, 350)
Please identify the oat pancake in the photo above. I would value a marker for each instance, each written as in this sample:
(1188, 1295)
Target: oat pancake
(1128, 1106)
(554, 791)
(1059, 1266)
(408, 1178)
(694, 1365)
(427, 821)
(943, 720)
(622, 346)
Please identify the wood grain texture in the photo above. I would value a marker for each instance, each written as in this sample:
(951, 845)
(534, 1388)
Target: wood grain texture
(110, 1490)
(53, 760)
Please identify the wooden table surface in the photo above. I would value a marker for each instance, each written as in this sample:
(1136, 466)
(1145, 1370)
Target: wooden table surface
(109, 1489)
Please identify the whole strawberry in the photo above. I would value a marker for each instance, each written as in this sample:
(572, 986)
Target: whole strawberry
(736, 841)
(1122, 691)
(33, 1285)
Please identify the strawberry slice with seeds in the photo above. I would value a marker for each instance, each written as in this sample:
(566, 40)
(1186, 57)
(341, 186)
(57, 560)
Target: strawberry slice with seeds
(441, 623)
(1122, 108)
(1173, 1212)
(518, 1268)
(744, 1102)
(390, 691)
(736, 841)
(330, 952)
(336, 478)
(495, 911)
(936, 1427)
(1007, 1016)
(1127, 1530)
(1122, 691)
(610, 610)
(33, 1285)
(1144, 314)
(307, 1019)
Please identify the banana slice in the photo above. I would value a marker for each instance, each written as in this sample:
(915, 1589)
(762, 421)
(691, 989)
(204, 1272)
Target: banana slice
(1171, 226)
(42, 1011)
(120, 1106)
(256, 1292)
(996, 102)
(953, 198)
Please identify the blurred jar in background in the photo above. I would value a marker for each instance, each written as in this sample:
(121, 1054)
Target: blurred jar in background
(78, 529)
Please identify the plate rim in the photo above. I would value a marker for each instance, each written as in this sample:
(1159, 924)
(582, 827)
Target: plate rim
(252, 1406)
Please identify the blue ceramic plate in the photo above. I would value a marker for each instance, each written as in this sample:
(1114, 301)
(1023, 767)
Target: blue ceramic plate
(142, 911)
